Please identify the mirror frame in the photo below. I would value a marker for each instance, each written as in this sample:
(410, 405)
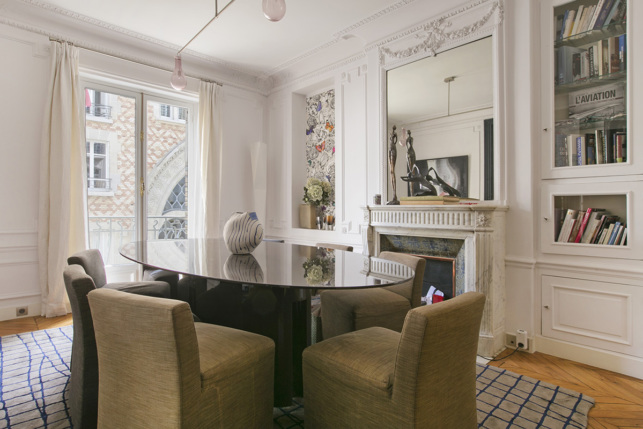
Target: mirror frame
(465, 24)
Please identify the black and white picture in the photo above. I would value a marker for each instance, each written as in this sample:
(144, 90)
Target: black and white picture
(454, 170)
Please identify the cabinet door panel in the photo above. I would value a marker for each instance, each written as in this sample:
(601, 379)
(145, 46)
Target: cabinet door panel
(593, 313)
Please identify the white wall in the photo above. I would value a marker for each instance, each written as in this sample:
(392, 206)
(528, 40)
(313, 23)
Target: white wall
(24, 78)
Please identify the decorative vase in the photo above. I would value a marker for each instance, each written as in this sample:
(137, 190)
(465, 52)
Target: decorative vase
(243, 268)
(308, 216)
(242, 233)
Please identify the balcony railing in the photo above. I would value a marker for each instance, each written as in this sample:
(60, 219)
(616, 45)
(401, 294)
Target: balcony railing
(99, 184)
(99, 111)
(110, 233)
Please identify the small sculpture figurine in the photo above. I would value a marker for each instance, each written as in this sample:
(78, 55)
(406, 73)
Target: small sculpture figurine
(392, 157)
(414, 175)
(444, 185)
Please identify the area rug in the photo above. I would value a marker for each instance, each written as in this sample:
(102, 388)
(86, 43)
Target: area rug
(34, 372)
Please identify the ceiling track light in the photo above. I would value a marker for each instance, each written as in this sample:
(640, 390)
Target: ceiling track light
(273, 10)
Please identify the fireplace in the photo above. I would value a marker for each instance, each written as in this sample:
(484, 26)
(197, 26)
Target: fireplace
(439, 276)
(470, 235)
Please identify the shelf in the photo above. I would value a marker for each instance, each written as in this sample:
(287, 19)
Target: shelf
(620, 76)
(591, 36)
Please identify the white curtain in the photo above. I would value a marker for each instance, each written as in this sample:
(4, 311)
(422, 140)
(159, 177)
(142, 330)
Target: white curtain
(62, 220)
(210, 141)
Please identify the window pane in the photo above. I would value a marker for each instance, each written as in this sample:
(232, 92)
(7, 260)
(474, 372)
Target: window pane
(167, 168)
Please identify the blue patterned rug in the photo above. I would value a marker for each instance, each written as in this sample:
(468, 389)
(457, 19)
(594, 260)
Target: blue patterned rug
(34, 372)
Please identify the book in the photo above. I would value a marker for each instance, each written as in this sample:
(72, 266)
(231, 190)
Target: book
(614, 233)
(568, 223)
(590, 143)
(592, 224)
(572, 148)
(624, 237)
(622, 50)
(569, 24)
(562, 25)
(564, 58)
(576, 66)
(432, 198)
(558, 26)
(427, 203)
(606, 221)
(591, 55)
(583, 224)
(588, 17)
(620, 142)
(576, 227)
(581, 151)
(597, 9)
(561, 157)
(605, 62)
(602, 14)
(600, 147)
(579, 15)
(613, 11)
(608, 234)
(612, 49)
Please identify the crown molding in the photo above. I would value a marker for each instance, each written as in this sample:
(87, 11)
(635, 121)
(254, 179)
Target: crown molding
(429, 38)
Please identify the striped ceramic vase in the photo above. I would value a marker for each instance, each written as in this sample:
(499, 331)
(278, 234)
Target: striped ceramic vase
(242, 233)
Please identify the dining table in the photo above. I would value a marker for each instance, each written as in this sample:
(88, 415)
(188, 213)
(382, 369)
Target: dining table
(272, 291)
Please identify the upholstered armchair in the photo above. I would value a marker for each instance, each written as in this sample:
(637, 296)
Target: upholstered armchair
(159, 369)
(423, 377)
(92, 261)
(349, 310)
(83, 386)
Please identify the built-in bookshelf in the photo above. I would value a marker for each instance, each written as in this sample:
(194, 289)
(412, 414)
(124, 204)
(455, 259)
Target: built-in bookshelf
(590, 76)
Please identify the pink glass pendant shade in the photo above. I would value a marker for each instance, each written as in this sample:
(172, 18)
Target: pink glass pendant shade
(178, 80)
(274, 10)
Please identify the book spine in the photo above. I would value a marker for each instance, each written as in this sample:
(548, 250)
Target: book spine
(583, 225)
(600, 151)
(622, 46)
(612, 237)
(619, 144)
(580, 151)
(599, 5)
(590, 141)
(602, 15)
(562, 28)
(579, 15)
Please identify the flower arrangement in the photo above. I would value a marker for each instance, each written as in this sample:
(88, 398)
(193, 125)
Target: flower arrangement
(317, 192)
(318, 270)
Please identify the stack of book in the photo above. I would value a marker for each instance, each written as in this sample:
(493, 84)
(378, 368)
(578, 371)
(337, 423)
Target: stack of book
(429, 200)
(589, 17)
(591, 226)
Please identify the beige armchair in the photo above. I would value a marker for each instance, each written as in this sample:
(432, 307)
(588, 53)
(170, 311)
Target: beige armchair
(424, 377)
(350, 310)
(157, 368)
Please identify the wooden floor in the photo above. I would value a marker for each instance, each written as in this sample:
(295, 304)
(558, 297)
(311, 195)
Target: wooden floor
(619, 398)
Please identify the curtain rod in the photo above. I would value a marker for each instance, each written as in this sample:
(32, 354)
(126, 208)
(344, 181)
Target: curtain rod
(52, 39)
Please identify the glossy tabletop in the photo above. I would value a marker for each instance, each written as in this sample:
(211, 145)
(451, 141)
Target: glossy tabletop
(271, 263)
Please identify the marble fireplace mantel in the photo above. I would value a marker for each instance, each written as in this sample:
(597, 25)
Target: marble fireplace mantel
(482, 229)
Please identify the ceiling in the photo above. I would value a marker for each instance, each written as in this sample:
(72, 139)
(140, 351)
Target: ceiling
(240, 36)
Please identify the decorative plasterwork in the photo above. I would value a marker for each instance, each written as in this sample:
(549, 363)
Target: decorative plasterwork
(434, 35)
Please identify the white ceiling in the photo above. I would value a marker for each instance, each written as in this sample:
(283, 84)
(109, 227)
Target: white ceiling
(241, 36)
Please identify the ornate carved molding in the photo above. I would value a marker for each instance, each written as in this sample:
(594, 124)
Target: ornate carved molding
(434, 34)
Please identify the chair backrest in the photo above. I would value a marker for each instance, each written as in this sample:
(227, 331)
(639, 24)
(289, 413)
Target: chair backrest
(92, 261)
(335, 246)
(411, 290)
(148, 358)
(435, 367)
(83, 395)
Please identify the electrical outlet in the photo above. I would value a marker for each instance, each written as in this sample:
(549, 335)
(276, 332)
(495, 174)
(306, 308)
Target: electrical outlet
(522, 339)
(22, 311)
(510, 340)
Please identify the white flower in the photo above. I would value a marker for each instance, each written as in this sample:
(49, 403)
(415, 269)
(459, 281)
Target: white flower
(316, 192)
(315, 274)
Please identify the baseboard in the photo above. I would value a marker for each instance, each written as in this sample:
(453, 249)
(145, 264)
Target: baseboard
(8, 312)
(617, 362)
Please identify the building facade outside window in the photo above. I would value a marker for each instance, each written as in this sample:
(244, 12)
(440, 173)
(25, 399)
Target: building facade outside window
(97, 166)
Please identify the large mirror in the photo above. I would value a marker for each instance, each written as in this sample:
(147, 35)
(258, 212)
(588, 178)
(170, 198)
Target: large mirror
(446, 103)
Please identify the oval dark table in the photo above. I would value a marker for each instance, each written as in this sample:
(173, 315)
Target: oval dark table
(267, 292)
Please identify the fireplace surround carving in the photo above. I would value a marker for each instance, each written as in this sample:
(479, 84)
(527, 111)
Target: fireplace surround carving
(478, 230)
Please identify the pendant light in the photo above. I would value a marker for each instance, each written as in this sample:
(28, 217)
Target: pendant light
(273, 10)
(178, 79)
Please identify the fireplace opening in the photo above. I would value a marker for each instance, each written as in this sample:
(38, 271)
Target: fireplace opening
(439, 275)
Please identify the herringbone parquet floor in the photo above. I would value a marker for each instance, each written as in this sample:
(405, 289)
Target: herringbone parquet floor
(619, 398)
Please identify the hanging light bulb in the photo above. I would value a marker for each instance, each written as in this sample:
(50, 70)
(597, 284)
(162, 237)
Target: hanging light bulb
(178, 80)
(274, 10)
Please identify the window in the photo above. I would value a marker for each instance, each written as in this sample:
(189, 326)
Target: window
(97, 104)
(97, 166)
(173, 113)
